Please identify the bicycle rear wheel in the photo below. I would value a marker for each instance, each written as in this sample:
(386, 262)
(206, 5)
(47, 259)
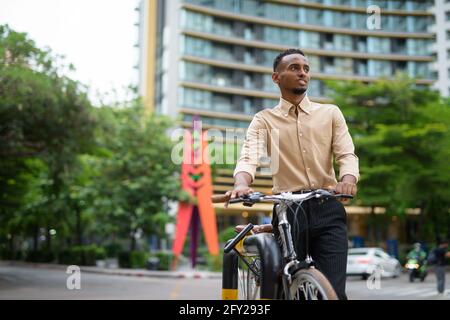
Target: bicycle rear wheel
(249, 286)
(311, 284)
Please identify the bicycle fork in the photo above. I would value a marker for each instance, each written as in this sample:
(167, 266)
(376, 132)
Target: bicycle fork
(289, 254)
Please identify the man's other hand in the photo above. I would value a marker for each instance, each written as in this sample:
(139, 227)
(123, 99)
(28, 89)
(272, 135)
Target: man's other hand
(238, 191)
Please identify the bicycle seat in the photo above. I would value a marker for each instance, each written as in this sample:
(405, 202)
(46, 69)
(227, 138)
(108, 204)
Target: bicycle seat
(256, 228)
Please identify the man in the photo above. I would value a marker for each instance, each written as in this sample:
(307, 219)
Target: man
(440, 256)
(300, 137)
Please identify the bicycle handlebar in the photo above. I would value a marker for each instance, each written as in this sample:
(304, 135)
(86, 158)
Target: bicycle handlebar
(255, 197)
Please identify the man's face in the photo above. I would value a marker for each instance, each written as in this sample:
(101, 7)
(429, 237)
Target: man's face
(292, 74)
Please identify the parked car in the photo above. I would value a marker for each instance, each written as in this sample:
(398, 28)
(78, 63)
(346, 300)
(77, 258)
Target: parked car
(365, 261)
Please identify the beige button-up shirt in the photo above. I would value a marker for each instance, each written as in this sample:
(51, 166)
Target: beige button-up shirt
(299, 147)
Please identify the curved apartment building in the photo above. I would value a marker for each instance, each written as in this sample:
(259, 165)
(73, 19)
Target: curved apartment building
(214, 57)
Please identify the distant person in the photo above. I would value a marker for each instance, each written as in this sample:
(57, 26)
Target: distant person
(417, 253)
(438, 258)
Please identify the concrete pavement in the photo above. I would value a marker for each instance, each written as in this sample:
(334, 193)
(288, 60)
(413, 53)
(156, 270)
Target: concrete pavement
(20, 280)
(179, 274)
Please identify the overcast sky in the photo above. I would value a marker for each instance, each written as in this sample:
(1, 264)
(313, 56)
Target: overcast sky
(96, 36)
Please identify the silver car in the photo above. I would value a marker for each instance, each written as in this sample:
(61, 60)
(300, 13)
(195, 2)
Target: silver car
(366, 261)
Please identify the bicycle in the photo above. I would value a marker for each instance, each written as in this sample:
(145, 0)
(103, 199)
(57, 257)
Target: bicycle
(260, 263)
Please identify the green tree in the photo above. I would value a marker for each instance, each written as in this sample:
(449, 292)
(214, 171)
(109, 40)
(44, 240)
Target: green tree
(138, 176)
(45, 118)
(401, 136)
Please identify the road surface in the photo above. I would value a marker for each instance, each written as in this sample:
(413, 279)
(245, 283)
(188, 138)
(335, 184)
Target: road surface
(22, 282)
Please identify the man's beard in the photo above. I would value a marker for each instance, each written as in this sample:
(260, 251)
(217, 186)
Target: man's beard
(299, 91)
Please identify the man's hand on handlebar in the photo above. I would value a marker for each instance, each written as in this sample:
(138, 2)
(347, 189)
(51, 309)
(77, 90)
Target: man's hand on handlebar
(237, 192)
(347, 186)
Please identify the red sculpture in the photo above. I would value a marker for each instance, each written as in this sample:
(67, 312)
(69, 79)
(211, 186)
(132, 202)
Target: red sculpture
(196, 180)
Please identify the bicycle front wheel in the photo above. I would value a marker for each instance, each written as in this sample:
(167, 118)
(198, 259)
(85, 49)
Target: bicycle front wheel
(311, 284)
(249, 286)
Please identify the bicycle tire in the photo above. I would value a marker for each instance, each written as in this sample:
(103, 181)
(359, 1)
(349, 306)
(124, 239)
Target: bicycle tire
(249, 287)
(311, 284)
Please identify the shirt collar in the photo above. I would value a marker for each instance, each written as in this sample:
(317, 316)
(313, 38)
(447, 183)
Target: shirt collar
(285, 106)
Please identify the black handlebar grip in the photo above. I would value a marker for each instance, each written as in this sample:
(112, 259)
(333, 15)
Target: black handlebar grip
(238, 238)
(345, 196)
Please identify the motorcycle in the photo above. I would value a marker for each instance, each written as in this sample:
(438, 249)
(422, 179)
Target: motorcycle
(416, 269)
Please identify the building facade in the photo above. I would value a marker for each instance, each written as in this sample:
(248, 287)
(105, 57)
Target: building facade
(213, 58)
(441, 48)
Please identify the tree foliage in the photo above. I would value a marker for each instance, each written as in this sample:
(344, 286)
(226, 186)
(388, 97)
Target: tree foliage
(401, 133)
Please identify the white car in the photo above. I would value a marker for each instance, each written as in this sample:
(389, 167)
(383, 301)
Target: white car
(366, 261)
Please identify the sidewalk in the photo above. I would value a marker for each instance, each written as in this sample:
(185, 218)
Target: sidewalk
(179, 274)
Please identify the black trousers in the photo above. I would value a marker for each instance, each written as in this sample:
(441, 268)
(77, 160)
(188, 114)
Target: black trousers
(328, 243)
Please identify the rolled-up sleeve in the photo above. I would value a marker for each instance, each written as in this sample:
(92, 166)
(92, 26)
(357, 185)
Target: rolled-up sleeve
(343, 148)
(254, 147)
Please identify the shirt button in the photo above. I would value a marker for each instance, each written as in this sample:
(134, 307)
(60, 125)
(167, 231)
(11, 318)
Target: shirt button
(301, 135)
(304, 151)
(285, 114)
(312, 184)
(308, 169)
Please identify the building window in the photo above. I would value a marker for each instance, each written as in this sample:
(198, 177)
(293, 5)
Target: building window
(328, 65)
(314, 63)
(447, 15)
(418, 46)
(397, 23)
(418, 69)
(281, 12)
(315, 88)
(398, 46)
(221, 77)
(343, 42)
(378, 68)
(193, 98)
(281, 36)
(223, 27)
(328, 41)
(223, 52)
(378, 45)
(343, 19)
(195, 72)
(343, 66)
(221, 102)
(248, 81)
(196, 47)
(360, 67)
(268, 83)
(310, 40)
(315, 16)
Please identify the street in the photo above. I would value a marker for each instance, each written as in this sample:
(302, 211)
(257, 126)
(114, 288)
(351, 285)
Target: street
(21, 282)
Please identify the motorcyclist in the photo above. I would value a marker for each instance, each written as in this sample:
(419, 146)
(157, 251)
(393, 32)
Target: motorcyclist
(417, 253)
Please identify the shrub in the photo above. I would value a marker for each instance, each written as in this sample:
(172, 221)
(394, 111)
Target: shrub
(133, 259)
(113, 250)
(165, 260)
(42, 255)
(82, 255)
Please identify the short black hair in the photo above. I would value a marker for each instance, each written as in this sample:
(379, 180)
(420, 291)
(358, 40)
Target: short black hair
(285, 53)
